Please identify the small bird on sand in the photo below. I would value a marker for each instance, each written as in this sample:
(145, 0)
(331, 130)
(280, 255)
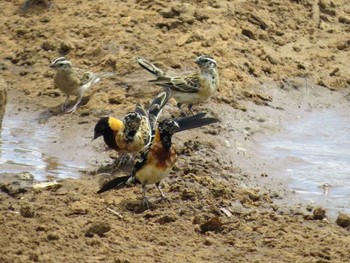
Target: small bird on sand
(190, 88)
(74, 81)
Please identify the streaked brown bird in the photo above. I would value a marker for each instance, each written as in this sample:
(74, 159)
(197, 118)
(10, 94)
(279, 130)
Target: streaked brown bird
(190, 88)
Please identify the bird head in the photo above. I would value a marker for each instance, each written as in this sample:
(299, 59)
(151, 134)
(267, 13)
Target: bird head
(101, 127)
(206, 62)
(61, 63)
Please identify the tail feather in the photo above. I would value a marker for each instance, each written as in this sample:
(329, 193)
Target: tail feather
(157, 105)
(195, 121)
(140, 110)
(150, 67)
(161, 80)
(105, 74)
(116, 183)
(96, 77)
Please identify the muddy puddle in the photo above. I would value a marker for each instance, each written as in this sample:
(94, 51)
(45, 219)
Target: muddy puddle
(313, 153)
(27, 145)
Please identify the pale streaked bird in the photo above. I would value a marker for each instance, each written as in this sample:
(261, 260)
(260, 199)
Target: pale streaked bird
(190, 88)
(74, 81)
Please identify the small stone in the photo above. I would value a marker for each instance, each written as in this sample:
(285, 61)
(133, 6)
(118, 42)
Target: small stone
(79, 208)
(25, 176)
(343, 220)
(66, 47)
(208, 242)
(253, 195)
(319, 213)
(214, 225)
(27, 211)
(344, 20)
(99, 228)
(53, 237)
(248, 33)
(166, 219)
(196, 220)
(169, 13)
(47, 186)
(188, 195)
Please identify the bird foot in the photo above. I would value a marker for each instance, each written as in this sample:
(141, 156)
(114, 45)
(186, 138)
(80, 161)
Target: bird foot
(71, 110)
(164, 199)
(145, 203)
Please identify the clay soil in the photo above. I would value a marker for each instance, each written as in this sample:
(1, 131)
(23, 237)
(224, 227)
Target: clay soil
(224, 206)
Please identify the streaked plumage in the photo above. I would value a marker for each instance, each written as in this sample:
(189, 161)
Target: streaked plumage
(158, 160)
(74, 81)
(191, 88)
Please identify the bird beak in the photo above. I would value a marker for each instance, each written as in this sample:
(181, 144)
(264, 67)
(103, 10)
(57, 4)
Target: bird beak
(96, 135)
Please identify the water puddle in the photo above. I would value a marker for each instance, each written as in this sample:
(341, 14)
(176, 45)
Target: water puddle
(314, 153)
(28, 146)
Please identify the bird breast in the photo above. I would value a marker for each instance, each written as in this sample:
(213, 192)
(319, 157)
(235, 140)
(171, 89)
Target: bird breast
(67, 83)
(158, 166)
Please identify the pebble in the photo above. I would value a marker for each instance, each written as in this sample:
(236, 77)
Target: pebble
(98, 228)
(214, 225)
(319, 213)
(343, 220)
(27, 211)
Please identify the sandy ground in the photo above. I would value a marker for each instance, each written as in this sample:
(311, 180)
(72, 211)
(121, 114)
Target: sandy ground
(224, 207)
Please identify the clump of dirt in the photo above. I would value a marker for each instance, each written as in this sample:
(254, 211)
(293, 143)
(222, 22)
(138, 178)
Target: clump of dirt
(218, 212)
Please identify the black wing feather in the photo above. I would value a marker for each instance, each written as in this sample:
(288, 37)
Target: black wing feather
(117, 183)
(195, 121)
(157, 105)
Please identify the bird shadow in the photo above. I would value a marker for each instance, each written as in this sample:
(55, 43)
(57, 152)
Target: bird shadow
(48, 113)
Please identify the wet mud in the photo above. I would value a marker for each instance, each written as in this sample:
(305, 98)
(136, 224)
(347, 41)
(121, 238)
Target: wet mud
(277, 60)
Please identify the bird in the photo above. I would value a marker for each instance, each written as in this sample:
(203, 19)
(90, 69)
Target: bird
(74, 81)
(134, 132)
(157, 161)
(190, 88)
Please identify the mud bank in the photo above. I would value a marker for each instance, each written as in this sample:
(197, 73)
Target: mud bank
(225, 205)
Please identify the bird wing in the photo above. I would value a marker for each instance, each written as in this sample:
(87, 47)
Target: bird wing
(150, 67)
(140, 110)
(115, 183)
(84, 77)
(157, 105)
(141, 161)
(187, 83)
(195, 121)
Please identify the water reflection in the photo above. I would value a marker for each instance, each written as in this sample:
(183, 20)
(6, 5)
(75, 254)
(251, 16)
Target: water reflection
(29, 146)
(314, 152)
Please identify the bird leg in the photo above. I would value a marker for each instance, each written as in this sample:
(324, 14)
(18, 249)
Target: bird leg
(65, 103)
(183, 113)
(162, 194)
(190, 108)
(145, 202)
(74, 108)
